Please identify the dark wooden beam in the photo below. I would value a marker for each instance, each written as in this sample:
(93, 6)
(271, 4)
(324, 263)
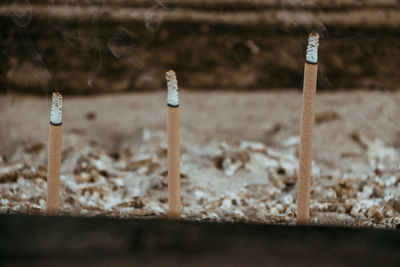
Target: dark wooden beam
(70, 240)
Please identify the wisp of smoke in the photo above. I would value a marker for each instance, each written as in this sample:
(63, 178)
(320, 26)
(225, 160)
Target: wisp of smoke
(21, 12)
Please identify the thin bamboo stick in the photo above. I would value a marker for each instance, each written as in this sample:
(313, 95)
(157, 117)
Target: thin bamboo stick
(307, 129)
(174, 183)
(54, 156)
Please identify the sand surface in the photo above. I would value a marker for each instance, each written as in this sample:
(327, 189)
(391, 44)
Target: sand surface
(239, 156)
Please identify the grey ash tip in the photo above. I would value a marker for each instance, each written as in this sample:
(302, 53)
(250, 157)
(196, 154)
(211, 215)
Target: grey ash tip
(173, 97)
(56, 109)
(312, 47)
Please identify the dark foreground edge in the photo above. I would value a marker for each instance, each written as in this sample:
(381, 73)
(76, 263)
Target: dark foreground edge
(72, 241)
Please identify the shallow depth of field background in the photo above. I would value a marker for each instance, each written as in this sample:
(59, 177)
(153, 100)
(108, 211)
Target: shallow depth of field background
(109, 46)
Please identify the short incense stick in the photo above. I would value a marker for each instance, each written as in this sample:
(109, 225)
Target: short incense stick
(54, 155)
(174, 173)
(307, 129)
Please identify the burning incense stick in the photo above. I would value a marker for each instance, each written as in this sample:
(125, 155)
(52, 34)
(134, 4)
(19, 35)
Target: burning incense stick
(307, 129)
(54, 155)
(174, 183)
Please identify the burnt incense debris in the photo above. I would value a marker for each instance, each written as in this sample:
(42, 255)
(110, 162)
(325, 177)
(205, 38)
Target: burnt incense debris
(261, 188)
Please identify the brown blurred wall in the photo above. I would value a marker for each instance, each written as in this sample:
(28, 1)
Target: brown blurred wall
(121, 45)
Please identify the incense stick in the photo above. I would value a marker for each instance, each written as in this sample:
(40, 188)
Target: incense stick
(54, 155)
(174, 183)
(307, 129)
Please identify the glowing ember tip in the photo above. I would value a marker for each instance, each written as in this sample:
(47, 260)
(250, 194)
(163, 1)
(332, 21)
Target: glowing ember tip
(56, 109)
(173, 98)
(312, 47)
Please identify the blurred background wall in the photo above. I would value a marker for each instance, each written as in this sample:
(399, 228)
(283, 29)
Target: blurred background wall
(85, 47)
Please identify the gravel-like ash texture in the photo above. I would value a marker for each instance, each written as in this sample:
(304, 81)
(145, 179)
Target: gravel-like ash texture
(121, 169)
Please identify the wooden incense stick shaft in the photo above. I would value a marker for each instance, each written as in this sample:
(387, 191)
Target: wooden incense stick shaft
(53, 169)
(307, 131)
(174, 173)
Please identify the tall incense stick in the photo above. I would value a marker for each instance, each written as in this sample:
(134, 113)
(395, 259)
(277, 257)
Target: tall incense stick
(307, 129)
(54, 155)
(174, 173)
